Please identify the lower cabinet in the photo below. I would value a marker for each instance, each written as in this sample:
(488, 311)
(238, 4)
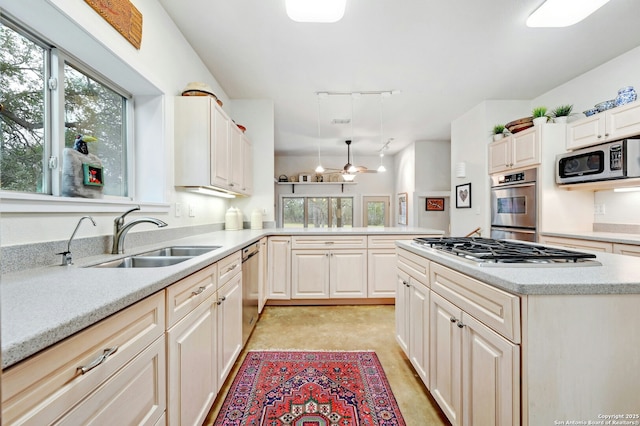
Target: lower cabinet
(229, 327)
(279, 276)
(322, 274)
(111, 373)
(192, 381)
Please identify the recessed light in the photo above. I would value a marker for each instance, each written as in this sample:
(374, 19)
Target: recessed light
(326, 11)
(563, 13)
(341, 121)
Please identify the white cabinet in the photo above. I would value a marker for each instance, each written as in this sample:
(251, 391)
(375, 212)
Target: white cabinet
(412, 311)
(263, 262)
(474, 350)
(279, 276)
(329, 268)
(626, 249)
(611, 125)
(515, 152)
(575, 243)
(124, 378)
(247, 166)
(210, 150)
(191, 348)
(229, 326)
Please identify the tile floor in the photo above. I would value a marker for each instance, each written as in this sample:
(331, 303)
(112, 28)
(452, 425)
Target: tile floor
(369, 327)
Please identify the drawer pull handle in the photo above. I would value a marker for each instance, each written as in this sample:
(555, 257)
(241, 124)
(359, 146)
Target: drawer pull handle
(329, 242)
(232, 267)
(198, 291)
(96, 362)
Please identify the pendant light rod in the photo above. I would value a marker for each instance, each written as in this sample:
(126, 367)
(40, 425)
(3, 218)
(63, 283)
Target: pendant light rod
(319, 169)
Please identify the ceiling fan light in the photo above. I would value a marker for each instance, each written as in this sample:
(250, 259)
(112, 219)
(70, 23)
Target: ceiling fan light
(348, 177)
(319, 169)
(563, 13)
(381, 168)
(326, 11)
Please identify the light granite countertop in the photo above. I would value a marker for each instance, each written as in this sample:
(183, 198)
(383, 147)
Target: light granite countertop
(617, 274)
(608, 237)
(41, 306)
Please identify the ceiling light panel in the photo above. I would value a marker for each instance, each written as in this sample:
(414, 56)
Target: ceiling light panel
(326, 11)
(563, 13)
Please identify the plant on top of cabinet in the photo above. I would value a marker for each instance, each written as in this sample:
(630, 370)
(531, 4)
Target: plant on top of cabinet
(498, 132)
(539, 115)
(561, 113)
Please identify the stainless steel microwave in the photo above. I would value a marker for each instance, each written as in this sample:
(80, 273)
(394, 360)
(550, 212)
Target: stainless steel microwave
(613, 160)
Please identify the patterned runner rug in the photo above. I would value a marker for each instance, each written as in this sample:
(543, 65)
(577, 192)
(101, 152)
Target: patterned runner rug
(310, 389)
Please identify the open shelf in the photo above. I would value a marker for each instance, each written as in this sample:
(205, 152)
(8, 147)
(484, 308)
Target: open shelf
(293, 184)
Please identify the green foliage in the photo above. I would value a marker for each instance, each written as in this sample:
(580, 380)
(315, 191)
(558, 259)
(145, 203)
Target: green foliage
(539, 112)
(562, 111)
(498, 129)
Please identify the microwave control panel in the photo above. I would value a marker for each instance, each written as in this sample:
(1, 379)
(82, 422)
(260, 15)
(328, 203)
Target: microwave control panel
(615, 157)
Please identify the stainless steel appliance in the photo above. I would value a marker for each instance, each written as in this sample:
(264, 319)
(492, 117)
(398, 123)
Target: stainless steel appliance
(613, 160)
(491, 252)
(250, 277)
(513, 206)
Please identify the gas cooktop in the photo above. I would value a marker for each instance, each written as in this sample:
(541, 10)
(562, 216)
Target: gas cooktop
(487, 251)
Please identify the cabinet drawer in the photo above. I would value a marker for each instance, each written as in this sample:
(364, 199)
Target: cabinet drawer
(414, 265)
(575, 243)
(627, 249)
(495, 308)
(228, 267)
(389, 241)
(186, 294)
(324, 242)
(42, 388)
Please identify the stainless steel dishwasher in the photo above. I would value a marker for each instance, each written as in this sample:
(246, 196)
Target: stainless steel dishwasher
(250, 271)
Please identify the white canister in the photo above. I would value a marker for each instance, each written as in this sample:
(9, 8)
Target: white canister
(256, 219)
(240, 219)
(231, 220)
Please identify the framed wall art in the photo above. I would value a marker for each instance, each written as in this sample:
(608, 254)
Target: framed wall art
(402, 208)
(463, 196)
(434, 204)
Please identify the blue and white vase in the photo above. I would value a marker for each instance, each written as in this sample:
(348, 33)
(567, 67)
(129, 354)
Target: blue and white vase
(625, 95)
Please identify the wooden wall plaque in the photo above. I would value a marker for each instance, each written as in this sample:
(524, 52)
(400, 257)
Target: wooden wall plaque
(121, 15)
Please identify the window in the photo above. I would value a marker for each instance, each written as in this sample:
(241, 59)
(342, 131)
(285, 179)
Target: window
(45, 106)
(317, 212)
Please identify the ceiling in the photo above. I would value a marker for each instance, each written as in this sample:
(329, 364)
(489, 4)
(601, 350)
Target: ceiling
(442, 56)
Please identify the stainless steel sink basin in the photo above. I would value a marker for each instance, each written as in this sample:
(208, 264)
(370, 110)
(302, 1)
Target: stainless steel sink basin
(143, 262)
(180, 251)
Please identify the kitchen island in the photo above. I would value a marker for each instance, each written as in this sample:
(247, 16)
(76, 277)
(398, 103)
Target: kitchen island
(530, 345)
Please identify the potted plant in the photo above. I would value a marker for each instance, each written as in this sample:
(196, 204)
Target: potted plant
(498, 132)
(539, 115)
(561, 113)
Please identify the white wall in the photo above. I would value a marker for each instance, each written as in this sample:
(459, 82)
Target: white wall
(154, 74)
(583, 92)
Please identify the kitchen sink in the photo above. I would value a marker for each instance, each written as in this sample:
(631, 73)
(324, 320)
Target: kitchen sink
(143, 262)
(179, 251)
(165, 256)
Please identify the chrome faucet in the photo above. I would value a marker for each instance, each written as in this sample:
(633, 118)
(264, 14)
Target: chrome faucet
(66, 255)
(120, 229)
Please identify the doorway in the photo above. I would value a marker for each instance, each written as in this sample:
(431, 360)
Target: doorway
(375, 211)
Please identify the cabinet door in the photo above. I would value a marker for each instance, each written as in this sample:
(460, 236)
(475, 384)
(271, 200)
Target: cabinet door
(490, 376)
(235, 150)
(310, 274)
(500, 155)
(445, 357)
(191, 351)
(419, 329)
(381, 273)
(247, 166)
(220, 171)
(525, 148)
(348, 273)
(134, 395)
(403, 291)
(585, 132)
(623, 121)
(279, 278)
(229, 326)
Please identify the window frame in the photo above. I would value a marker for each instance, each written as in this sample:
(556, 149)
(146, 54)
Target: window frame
(51, 200)
(330, 201)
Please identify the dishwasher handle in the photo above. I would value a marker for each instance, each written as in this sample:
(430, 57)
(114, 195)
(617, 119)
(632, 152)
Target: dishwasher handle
(250, 251)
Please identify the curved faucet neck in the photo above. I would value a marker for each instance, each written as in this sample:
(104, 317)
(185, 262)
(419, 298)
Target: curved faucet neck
(120, 230)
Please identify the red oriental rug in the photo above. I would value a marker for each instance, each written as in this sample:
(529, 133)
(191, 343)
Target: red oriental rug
(310, 389)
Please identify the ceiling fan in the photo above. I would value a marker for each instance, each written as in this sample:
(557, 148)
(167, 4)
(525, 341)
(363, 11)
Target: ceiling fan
(349, 171)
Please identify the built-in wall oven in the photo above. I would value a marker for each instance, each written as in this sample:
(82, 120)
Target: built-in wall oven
(513, 206)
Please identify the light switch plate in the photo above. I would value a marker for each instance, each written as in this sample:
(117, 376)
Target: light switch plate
(178, 209)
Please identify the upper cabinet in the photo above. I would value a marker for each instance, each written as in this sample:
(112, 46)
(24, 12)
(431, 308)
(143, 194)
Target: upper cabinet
(614, 124)
(210, 150)
(515, 151)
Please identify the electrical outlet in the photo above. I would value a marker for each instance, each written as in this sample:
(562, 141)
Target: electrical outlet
(598, 209)
(192, 211)
(178, 209)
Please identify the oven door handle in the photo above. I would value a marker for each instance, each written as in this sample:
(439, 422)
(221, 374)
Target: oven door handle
(516, 185)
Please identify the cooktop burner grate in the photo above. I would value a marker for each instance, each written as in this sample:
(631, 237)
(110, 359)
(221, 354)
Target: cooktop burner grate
(502, 251)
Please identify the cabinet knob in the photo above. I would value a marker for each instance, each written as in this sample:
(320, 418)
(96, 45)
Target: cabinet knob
(222, 299)
(606, 135)
(453, 319)
(599, 136)
(460, 325)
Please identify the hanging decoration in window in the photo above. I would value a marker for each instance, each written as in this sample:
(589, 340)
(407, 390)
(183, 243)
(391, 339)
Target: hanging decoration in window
(121, 15)
(82, 172)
